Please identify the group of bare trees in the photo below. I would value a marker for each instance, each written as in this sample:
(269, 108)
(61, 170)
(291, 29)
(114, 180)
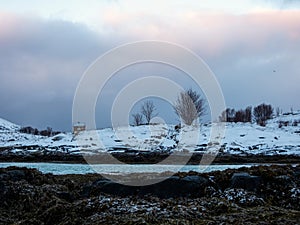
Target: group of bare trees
(47, 132)
(189, 106)
(242, 115)
(260, 114)
(148, 111)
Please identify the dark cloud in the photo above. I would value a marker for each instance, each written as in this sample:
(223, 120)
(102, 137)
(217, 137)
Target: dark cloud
(40, 68)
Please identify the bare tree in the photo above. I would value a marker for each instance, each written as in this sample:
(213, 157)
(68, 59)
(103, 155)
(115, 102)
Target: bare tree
(198, 101)
(227, 115)
(189, 106)
(262, 113)
(137, 119)
(148, 110)
(277, 111)
(248, 114)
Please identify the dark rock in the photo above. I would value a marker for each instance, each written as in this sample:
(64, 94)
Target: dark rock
(16, 175)
(174, 186)
(178, 187)
(202, 145)
(195, 179)
(86, 191)
(66, 196)
(4, 176)
(245, 181)
(110, 187)
(297, 173)
(3, 190)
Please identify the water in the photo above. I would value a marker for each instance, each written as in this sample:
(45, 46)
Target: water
(63, 168)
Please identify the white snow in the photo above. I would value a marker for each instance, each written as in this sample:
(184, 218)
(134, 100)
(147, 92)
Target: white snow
(7, 126)
(280, 136)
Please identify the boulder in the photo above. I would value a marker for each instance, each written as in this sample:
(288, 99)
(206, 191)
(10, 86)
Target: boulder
(13, 175)
(110, 187)
(245, 181)
(189, 186)
(17, 174)
(174, 186)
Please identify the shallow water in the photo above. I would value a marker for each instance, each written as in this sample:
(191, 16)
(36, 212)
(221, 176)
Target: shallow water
(63, 168)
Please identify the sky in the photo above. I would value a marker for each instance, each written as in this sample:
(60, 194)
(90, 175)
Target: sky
(252, 47)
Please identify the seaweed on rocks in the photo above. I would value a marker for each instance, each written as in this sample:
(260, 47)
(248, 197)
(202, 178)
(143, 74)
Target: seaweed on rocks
(256, 195)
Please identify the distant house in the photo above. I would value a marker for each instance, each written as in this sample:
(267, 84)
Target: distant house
(78, 127)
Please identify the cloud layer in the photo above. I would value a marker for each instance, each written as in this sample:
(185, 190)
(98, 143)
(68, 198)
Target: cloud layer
(255, 56)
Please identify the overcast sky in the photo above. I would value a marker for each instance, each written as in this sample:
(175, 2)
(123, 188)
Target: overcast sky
(252, 46)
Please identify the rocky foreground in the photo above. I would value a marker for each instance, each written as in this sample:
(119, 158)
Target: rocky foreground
(257, 195)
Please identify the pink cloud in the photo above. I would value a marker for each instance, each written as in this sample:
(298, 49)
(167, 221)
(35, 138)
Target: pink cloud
(211, 32)
(14, 27)
(8, 24)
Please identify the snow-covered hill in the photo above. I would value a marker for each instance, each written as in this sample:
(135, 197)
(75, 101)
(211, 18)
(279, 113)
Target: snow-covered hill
(10, 135)
(7, 126)
(280, 136)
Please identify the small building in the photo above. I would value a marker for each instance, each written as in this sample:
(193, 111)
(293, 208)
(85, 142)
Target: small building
(78, 127)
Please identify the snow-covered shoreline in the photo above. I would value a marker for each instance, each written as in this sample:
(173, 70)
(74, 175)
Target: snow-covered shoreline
(281, 136)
